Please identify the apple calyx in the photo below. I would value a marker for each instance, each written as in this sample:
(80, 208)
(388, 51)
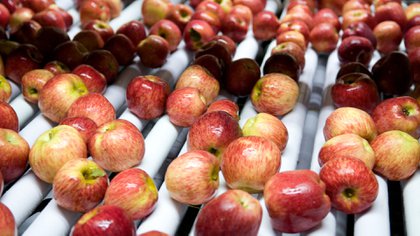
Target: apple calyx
(407, 110)
(349, 193)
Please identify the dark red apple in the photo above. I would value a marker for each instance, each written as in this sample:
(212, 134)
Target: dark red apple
(360, 29)
(391, 11)
(71, 53)
(103, 61)
(153, 51)
(235, 27)
(122, 48)
(242, 76)
(90, 39)
(134, 30)
(355, 49)
(414, 59)
(21, 60)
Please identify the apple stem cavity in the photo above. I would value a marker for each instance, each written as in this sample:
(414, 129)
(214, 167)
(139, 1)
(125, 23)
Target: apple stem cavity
(92, 173)
(195, 36)
(349, 193)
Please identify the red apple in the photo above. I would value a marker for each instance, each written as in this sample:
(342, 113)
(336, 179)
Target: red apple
(104, 62)
(265, 25)
(267, 126)
(242, 155)
(84, 125)
(346, 120)
(413, 22)
(275, 94)
(301, 16)
(324, 38)
(388, 35)
(58, 94)
(197, 33)
(241, 76)
(67, 17)
(134, 30)
(255, 6)
(355, 90)
(185, 105)
(293, 50)
(49, 17)
(94, 10)
(329, 16)
(391, 11)
(296, 200)
(153, 233)
(397, 155)
(399, 113)
(225, 105)
(146, 96)
(350, 184)
(53, 148)
(104, 220)
(94, 80)
(24, 58)
(71, 53)
(242, 11)
(305, 7)
(117, 145)
(213, 132)
(4, 16)
(347, 145)
(115, 7)
(103, 28)
(293, 36)
(193, 177)
(27, 32)
(235, 27)
(155, 10)
(18, 17)
(355, 49)
(360, 29)
(233, 212)
(56, 67)
(9, 118)
(7, 221)
(412, 10)
(79, 185)
(5, 89)
(412, 38)
(14, 159)
(121, 48)
(227, 41)
(213, 6)
(153, 51)
(37, 5)
(169, 31)
(355, 5)
(134, 191)
(32, 83)
(181, 14)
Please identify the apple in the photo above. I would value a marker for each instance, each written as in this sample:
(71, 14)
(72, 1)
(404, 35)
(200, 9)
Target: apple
(301, 16)
(37, 5)
(197, 33)
(169, 31)
(52, 18)
(18, 17)
(58, 94)
(241, 76)
(388, 35)
(9, 118)
(294, 25)
(196, 76)
(355, 49)
(398, 113)
(265, 25)
(90, 39)
(94, 80)
(53, 148)
(233, 212)
(210, 17)
(235, 27)
(213, 6)
(117, 145)
(153, 51)
(293, 50)
(32, 83)
(412, 38)
(213, 132)
(121, 48)
(283, 63)
(104, 220)
(185, 105)
(346, 120)
(354, 5)
(146, 96)
(350, 184)
(71, 53)
(242, 11)
(213, 64)
(94, 10)
(26, 33)
(24, 58)
(56, 67)
(181, 14)
(155, 10)
(412, 10)
(67, 17)
(324, 38)
(242, 155)
(102, 27)
(104, 62)
(218, 49)
(11, 5)
(414, 59)
(227, 41)
(14, 159)
(358, 15)
(377, 3)
(391, 11)
(296, 200)
(7, 221)
(115, 7)
(293, 36)
(134, 191)
(355, 90)
(135, 30)
(4, 16)
(48, 38)
(347, 145)
(413, 22)
(84, 125)
(5, 89)
(329, 16)
(267, 126)
(305, 7)
(397, 155)
(360, 29)
(193, 177)
(225, 105)
(79, 185)
(275, 93)
(255, 6)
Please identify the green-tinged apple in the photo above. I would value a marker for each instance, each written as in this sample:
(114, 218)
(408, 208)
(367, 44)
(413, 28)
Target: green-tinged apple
(355, 5)
(56, 67)
(235, 212)
(146, 96)
(79, 185)
(346, 120)
(196, 76)
(53, 148)
(84, 125)
(244, 12)
(18, 17)
(9, 118)
(241, 157)
(181, 14)
(267, 126)
(275, 93)
(225, 105)
(197, 33)
(94, 80)
(104, 220)
(58, 94)
(32, 83)
(5, 89)
(193, 177)
(397, 155)
(296, 200)
(155, 10)
(94, 106)
(15, 151)
(213, 132)
(412, 10)
(358, 15)
(348, 145)
(117, 145)
(134, 191)
(185, 105)
(350, 184)
(7, 221)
